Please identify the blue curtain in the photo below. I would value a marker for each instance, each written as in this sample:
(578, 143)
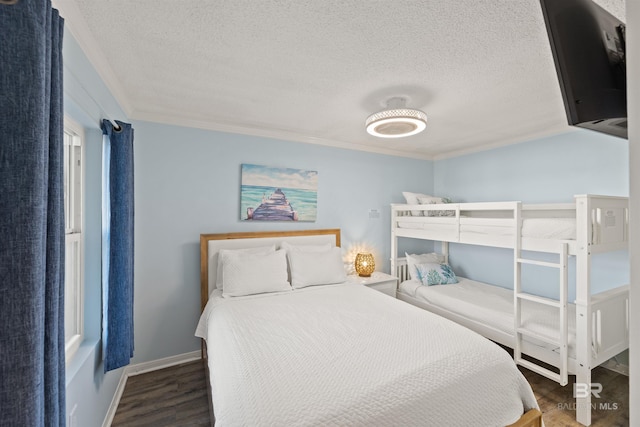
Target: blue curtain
(117, 245)
(32, 357)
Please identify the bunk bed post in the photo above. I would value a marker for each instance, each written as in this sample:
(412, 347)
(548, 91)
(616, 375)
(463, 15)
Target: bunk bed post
(394, 244)
(444, 248)
(564, 321)
(517, 280)
(583, 310)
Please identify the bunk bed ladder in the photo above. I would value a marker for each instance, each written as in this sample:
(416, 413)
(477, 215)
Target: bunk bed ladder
(561, 341)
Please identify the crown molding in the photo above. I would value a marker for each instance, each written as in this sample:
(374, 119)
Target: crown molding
(77, 26)
(281, 134)
(502, 143)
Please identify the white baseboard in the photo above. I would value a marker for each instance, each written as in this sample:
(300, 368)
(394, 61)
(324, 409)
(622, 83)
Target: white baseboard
(154, 365)
(111, 412)
(141, 368)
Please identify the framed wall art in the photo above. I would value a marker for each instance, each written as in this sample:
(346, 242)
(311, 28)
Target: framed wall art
(278, 194)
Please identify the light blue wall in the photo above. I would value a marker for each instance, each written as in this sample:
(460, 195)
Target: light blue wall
(188, 182)
(552, 169)
(546, 170)
(89, 390)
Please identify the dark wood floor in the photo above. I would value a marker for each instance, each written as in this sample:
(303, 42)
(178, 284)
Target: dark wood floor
(177, 396)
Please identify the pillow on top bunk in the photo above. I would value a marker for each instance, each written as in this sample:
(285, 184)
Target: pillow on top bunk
(427, 200)
(436, 201)
(435, 274)
(414, 259)
(412, 199)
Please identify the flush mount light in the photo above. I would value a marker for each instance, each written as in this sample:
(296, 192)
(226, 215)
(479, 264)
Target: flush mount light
(397, 121)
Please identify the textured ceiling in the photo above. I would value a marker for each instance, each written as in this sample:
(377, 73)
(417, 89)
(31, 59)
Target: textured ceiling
(313, 70)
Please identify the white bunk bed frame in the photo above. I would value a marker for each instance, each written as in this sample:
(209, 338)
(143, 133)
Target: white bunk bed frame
(602, 320)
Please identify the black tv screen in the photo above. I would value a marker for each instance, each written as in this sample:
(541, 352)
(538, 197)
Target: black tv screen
(588, 46)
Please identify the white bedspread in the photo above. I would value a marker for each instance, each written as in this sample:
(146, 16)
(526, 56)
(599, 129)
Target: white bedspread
(346, 355)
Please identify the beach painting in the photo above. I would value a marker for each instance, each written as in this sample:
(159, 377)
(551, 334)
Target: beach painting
(278, 194)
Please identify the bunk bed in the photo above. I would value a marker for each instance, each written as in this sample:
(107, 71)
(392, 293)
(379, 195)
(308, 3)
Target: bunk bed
(572, 337)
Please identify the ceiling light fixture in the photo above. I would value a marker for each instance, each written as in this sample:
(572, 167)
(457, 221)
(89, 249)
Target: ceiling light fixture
(396, 121)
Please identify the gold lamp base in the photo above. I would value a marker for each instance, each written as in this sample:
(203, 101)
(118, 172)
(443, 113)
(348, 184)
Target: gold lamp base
(365, 264)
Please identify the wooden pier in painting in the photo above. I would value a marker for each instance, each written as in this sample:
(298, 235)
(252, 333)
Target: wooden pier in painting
(274, 208)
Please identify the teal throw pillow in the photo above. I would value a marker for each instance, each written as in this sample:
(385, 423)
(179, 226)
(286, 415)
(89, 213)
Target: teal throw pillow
(435, 274)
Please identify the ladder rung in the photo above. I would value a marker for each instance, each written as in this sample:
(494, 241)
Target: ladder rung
(542, 263)
(538, 336)
(540, 370)
(539, 300)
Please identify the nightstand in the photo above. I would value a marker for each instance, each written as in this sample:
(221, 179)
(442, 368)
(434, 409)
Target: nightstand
(379, 281)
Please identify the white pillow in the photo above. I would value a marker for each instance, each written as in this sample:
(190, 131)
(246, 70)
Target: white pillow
(436, 201)
(224, 253)
(316, 268)
(414, 259)
(251, 273)
(412, 199)
(303, 248)
(428, 200)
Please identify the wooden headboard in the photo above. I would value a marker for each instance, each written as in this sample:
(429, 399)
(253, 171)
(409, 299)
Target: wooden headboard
(210, 244)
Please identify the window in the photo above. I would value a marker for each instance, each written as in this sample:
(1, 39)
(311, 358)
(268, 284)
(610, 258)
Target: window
(73, 281)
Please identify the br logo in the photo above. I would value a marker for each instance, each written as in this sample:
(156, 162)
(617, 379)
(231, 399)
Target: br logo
(581, 390)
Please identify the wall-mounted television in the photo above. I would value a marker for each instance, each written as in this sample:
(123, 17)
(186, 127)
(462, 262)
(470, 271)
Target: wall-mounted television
(588, 46)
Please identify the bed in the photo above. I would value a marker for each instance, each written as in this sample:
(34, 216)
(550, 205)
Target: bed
(572, 337)
(344, 354)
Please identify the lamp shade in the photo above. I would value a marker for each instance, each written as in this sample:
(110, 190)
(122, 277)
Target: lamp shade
(365, 264)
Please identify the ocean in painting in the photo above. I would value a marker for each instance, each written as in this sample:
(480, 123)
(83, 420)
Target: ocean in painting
(304, 202)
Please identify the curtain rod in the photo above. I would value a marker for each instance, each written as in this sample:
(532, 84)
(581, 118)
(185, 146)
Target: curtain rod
(8, 1)
(115, 125)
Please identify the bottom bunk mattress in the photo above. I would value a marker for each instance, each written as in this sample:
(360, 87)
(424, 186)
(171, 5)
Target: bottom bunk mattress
(493, 306)
(351, 356)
